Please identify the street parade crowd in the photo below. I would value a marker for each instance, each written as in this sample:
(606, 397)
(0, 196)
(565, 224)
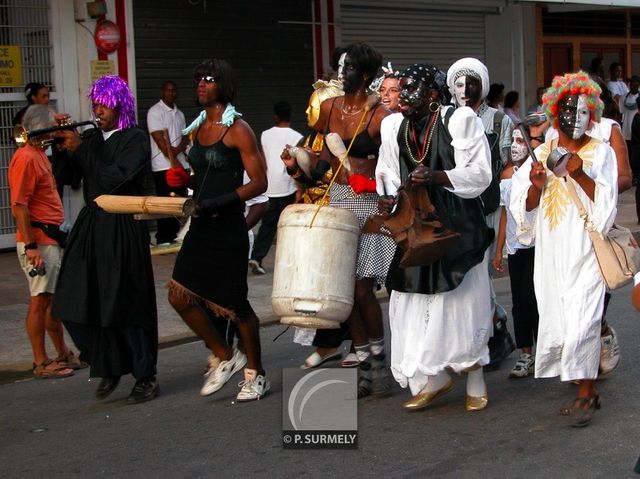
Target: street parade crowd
(445, 174)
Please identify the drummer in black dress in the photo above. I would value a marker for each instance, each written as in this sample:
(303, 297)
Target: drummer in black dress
(211, 268)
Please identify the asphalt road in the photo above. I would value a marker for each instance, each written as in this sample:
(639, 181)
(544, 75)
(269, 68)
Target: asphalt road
(55, 428)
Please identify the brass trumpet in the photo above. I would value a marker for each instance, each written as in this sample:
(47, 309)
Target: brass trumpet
(21, 135)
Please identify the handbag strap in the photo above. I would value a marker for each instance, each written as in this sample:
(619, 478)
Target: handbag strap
(570, 186)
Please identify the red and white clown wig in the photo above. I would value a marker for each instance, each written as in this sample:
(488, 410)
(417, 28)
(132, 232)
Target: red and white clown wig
(579, 83)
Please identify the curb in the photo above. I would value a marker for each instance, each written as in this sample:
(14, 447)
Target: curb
(22, 370)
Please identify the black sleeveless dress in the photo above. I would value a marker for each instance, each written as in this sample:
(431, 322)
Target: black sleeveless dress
(212, 264)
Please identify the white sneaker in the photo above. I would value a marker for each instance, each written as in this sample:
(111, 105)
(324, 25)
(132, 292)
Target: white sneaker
(215, 377)
(253, 387)
(524, 366)
(609, 352)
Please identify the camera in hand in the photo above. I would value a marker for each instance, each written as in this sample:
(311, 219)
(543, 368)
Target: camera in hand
(37, 271)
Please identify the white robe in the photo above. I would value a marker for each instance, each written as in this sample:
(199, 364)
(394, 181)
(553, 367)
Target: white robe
(431, 332)
(569, 288)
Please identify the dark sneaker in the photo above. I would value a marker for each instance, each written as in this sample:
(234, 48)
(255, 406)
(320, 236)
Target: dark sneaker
(107, 386)
(144, 390)
(380, 376)
(501, 345)
(365, 378)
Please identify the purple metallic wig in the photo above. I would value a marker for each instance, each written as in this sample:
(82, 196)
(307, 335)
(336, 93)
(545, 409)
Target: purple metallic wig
(113, 92)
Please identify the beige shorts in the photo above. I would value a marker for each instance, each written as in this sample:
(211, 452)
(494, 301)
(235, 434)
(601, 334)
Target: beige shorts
(52, 255)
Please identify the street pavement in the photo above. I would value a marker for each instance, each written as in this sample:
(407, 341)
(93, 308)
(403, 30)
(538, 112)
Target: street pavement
(56, 428)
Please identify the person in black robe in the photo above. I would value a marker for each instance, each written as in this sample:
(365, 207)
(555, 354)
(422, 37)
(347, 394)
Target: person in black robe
(106, 294)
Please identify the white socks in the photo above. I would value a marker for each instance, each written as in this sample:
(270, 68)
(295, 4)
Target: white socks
(475, 383)
(376, 346)
(436, 382)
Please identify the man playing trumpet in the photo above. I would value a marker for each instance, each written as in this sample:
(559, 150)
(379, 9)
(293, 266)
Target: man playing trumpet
(106, 296)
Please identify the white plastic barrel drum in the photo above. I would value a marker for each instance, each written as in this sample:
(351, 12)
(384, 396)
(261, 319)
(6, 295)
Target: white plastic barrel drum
(314, 275)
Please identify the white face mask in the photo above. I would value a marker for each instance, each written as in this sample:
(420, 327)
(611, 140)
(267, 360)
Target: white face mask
(574, 117)
(341, 66)
(459, 87)
(519, 150)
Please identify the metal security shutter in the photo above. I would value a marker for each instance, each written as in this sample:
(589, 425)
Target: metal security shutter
(407, 32)
(269, 48)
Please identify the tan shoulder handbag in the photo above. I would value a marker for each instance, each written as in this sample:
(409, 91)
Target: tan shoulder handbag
(617, 252)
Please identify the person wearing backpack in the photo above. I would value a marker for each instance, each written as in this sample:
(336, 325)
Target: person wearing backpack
(468, 82)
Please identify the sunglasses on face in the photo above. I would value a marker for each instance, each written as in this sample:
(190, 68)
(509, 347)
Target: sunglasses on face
(206, 79)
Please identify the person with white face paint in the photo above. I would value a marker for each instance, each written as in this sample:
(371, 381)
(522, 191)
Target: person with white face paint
(468, 82)
(569, 288)
(608, 130)
(357, 121)
(439, 313)
(520, 263)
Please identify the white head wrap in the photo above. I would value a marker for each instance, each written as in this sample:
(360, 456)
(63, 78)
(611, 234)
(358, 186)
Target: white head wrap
(472, 67)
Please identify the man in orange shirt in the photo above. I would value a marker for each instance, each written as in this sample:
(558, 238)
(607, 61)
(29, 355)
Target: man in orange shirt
(35, 204)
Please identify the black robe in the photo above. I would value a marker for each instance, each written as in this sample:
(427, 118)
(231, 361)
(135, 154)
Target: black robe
(463, 215)
(106, 283)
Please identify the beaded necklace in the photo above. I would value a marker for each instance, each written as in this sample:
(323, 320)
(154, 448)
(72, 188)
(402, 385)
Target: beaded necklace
(422, 152)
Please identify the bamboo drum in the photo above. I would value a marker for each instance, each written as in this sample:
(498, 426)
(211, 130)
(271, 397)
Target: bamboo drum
(151, 205)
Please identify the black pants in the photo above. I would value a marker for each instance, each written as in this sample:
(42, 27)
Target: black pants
(167, 227)
(331, 338)
(634, 160)
(116, 351)
(525, 307)
(269, 226)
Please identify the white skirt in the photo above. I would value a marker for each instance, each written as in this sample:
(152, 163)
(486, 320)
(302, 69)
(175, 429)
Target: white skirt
(431, 332)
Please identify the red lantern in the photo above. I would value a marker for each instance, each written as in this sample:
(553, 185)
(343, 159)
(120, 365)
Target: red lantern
(107, 37)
